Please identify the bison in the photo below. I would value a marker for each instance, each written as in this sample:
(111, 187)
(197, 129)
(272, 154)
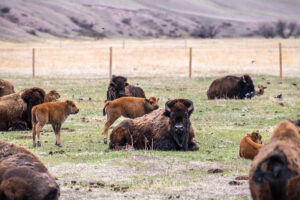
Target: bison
(131, 107)
(250, 145)
(261, 90)
(275, 171)
(118, 87)
(6, 88)
(23, 176)
(163, 129)
(52, 96)
(15, 109)
(231, 87)
(54, 113)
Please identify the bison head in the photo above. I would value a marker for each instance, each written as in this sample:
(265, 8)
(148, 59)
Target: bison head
(256, 137)
(54, 95)
(117, 85)
(246, 87)
(72, 109)
(179, 111)
(151, 104)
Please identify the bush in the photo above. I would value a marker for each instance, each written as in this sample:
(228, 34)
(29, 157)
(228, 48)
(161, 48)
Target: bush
(206, 32)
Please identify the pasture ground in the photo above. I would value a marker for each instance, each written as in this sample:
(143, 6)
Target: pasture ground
(85, 169)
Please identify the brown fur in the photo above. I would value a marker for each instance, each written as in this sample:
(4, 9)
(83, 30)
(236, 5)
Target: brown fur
(130, 107)
(156, 130)
(23, 176)
(54, 113)
(250, 145)
(261, 90)
(52, 96)
(230, 87)
(275, 171)
(6, 88)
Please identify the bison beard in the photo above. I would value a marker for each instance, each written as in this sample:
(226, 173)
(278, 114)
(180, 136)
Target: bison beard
(163, 129)
(274, 172)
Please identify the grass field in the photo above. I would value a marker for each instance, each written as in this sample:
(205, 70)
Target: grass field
(87, 170)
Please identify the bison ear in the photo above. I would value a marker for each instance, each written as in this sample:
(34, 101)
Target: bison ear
(190, 107)
(113, 76)
(157, 99)
(126, 84)
(147, 100)
(167, 109)
(112, 84)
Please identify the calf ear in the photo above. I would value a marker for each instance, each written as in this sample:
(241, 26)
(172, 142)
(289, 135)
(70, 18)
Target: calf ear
(167, 109)
(157, 99)
(147, 100)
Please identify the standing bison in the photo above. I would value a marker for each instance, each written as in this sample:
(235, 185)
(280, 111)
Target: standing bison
(231, 87)
(275, 171)
(23, 176)
(15, 109)
(6, 88)
(118, 87)
(162, 129)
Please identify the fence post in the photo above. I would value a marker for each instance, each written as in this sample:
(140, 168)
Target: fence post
(190, 64)
(110, 62)
(280, 61)
(123, 43)
(33, 63)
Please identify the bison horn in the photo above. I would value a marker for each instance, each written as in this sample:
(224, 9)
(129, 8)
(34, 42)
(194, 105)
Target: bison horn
(167, 108)
(244, 80)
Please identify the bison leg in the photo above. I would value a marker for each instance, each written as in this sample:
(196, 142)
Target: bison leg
(164, 145)
(34, 134)
(56, 129)
(108, 123)
(38, 130)
(193, 146)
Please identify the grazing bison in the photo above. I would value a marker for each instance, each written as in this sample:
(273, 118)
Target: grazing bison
(6, 88)
(54, 113)
(250, 145)
(118, 87)
(162, 129)
(275, 171)
(231, 87)
(261, 90)
(52, 96)
(131, 107)
(23, 176)
(15, 109)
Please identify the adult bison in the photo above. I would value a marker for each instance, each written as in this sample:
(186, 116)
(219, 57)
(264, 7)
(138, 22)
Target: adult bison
(15, 109)
(23, 176)
(275, 171)
(163, 129)
(118, 87)
(6, 88)
(231, 87)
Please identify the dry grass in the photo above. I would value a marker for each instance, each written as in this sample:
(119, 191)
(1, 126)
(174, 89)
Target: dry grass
(142, 58)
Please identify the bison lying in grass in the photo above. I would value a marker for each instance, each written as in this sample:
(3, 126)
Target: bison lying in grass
(52, 96)
(23, 176)
(15, 109)
(250, 145)
(6, 88)
(131, 107)
(231, 87)
(162, 129)
(275, 171)
(118, 87)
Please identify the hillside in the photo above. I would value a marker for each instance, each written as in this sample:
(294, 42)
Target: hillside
(23, 20)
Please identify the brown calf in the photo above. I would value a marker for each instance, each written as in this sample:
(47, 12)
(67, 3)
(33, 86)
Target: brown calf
(130, 107)
(261, 90)
(52, 96)
(54, 113)
(250, 145)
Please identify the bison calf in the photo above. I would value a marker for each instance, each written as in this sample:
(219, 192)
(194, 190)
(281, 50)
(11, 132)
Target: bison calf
(23, 176)
(261, 90)
(52, 96)
(250, 145)
(130, 107)
(275, 171)
(54, 113)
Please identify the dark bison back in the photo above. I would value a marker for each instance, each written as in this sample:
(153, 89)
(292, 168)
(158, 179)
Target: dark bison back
(134, 91)
(230, 87)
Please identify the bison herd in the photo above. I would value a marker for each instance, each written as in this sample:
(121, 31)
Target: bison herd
(274, 172)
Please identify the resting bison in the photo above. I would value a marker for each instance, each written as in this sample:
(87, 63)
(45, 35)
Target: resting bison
(275, 171)
(54, 113)
(15, 109)
(231, 87)
(52, 96)
(23, 176)
(6, 88)
(131, 107)
(162, 129)
(261, 90)
(250, 145)
(118, 87)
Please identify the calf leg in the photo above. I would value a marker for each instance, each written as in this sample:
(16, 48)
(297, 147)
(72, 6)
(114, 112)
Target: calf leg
(56, 128)
(38, 130)
(110, 120)
(34, 134)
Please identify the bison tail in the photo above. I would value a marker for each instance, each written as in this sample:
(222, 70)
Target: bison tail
(33, 116)
(106, 104)
(13, 188)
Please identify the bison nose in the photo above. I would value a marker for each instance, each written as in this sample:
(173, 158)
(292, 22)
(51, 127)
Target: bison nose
(178, 128)
(156, 107)
(76, 111)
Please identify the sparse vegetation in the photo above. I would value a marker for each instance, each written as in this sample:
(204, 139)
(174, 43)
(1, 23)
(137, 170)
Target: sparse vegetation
(280, 29)
(206, 32)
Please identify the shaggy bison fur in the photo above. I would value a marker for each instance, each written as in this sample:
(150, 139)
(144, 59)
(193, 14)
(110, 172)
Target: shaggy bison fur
(15, 109)
(54, 113)
(162, 129)
(118, 87)
(23, 176)
(131, 107)
(275, 171)
(250, 145)
(231, 87)
(6, 88)
(52, 96)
